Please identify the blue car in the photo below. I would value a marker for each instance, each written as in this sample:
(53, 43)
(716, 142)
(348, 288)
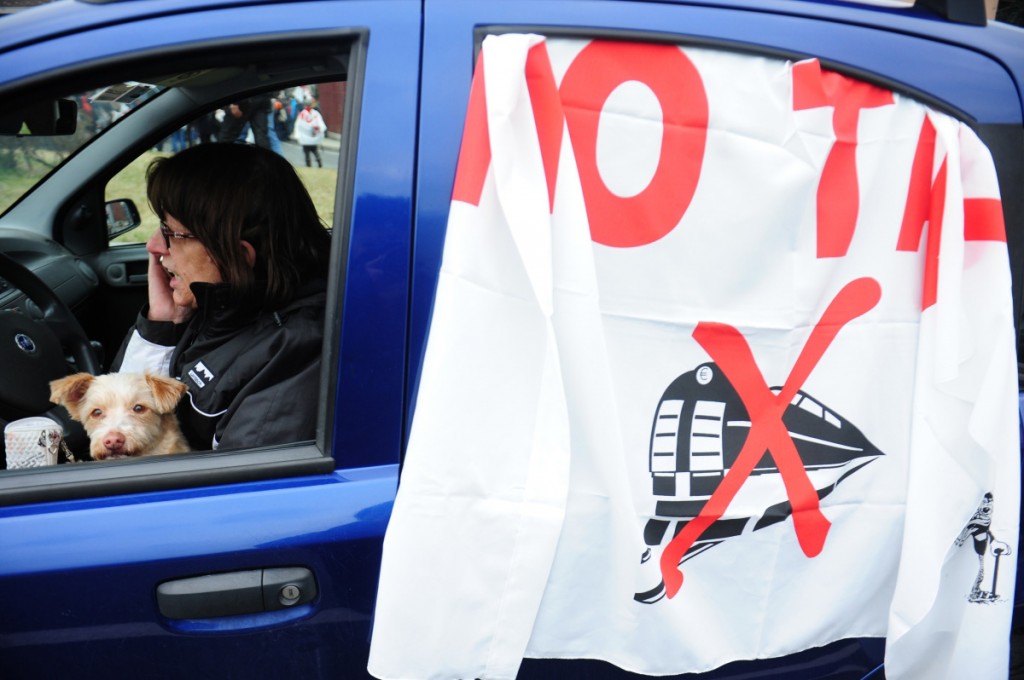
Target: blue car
(264, 562)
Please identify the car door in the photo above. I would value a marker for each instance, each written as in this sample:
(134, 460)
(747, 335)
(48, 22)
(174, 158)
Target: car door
(886, 49)
(249, 563)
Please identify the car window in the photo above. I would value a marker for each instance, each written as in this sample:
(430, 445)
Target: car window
(28, 157)
(84, 191)
(317, 167)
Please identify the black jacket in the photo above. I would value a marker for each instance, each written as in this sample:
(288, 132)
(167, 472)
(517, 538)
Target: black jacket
(252, 378)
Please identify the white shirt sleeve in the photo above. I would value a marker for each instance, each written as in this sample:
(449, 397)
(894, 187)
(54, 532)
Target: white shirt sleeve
(142, 356)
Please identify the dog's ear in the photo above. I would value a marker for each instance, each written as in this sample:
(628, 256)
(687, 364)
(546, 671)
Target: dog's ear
(68, 391)
(166, 392)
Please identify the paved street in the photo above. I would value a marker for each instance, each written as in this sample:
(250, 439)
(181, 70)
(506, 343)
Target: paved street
(328, 151)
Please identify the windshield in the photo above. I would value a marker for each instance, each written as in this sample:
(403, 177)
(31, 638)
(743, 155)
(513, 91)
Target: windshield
(26, 158)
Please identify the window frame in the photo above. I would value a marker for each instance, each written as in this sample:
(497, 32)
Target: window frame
(208, 468)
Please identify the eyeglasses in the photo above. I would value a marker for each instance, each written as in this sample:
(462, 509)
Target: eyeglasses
(169, 234)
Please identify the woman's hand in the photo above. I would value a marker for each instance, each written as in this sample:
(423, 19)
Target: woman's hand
(161, 300)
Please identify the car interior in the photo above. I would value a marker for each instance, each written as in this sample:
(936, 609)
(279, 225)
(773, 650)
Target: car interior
(73, 152)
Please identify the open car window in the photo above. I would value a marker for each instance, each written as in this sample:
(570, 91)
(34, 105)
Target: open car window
(319, 173)
(77, 217)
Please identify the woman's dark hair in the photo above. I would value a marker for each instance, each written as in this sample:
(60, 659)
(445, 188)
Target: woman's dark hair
(227, 193)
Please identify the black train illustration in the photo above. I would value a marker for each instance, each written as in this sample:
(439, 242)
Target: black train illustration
(699, 429)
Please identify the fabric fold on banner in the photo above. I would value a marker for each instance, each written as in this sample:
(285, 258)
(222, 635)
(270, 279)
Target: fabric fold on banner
(514, 517)
(966, 348)
(721, 367)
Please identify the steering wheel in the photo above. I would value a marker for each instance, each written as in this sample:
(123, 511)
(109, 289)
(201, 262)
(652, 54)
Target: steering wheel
(33, 351)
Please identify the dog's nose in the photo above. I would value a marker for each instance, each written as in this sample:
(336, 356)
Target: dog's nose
(114, 441)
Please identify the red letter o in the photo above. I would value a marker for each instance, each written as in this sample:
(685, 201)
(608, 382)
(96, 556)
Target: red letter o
(600, 68)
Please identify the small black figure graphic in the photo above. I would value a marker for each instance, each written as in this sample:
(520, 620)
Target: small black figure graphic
(979, 529)
(699, 428)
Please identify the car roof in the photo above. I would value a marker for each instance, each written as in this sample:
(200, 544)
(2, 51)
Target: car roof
(1001, 42)
(51, 17)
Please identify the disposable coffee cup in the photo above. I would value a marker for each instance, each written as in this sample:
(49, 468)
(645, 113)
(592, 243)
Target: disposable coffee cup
(32, 442)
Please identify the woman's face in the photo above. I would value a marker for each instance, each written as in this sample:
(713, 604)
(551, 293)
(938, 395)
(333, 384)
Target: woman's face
(185, 260)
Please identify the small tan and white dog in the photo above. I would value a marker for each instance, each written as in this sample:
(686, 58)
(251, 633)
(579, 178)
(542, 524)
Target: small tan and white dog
(124, 414)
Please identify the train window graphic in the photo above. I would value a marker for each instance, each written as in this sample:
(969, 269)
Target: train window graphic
(699, 428)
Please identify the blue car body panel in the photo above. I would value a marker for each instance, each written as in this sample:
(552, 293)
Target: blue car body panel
(78, 577)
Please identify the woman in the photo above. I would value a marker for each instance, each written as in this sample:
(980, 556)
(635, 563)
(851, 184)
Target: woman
(237, 280)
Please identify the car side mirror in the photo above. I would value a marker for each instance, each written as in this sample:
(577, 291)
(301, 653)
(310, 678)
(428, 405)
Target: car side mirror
(45, 118)
(122, 217)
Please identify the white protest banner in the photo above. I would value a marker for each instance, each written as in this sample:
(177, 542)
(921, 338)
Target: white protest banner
(721, 367)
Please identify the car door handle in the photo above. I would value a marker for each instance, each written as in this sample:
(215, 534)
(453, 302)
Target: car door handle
(236, 593)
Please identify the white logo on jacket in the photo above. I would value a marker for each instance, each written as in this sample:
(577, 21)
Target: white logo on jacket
(207, 375)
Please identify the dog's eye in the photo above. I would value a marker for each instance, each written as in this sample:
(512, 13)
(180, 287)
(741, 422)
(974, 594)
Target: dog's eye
(96, 413)
(138, 408)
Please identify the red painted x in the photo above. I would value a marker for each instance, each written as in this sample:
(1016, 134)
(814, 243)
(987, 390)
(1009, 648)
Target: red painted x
(730, 351)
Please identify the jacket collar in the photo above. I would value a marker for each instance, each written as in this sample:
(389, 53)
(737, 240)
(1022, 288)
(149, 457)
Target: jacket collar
(218, 310)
